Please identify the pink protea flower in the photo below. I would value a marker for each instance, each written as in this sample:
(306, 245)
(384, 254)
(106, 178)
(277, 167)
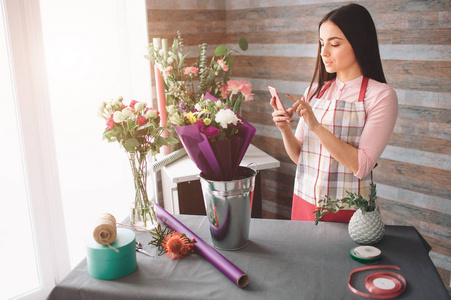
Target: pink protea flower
(166, 71)
(176, 245)
(223, 65)
(192, 70)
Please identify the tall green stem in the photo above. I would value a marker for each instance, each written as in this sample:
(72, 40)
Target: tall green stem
(144, 208)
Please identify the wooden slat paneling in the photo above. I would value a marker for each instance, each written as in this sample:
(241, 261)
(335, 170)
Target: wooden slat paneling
(423, 143)
(426, 180)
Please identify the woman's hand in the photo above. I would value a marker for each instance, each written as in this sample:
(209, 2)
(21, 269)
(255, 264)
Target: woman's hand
(304, 110)
(283, 121)
(281, 118)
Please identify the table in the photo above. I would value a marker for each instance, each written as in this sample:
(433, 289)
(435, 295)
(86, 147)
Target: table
(181, 186)
(284, 260)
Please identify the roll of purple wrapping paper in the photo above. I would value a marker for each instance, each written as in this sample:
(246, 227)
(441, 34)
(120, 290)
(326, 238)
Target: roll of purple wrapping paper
(232, 272)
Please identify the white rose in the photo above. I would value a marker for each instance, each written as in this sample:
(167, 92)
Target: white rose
(119, 117)
(225, 117)
(198, 107)
(127, 112)
(171, 109)
(140, 106)
(150, 114)
(170, 60)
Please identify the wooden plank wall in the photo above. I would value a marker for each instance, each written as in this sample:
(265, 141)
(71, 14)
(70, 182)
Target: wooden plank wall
(414, 174)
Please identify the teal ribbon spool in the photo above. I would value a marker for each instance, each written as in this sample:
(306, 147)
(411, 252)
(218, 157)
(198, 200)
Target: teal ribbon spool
(105, 263)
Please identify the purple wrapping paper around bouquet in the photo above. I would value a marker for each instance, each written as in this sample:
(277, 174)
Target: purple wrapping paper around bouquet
(232, 272)
(219, 160)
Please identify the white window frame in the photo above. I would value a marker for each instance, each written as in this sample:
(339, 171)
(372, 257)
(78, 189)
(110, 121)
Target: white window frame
(35, 125)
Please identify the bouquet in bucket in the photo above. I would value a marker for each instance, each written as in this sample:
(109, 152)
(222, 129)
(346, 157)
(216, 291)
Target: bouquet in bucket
(214, 137)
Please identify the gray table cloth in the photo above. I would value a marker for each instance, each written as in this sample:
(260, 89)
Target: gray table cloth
(284, 260)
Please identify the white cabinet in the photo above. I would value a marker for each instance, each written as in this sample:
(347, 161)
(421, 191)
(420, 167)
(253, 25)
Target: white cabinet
(181, 178)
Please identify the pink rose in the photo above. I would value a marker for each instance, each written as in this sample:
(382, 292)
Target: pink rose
(132, 103)
(110, 123)
(223, 65)
(191, 70)
(141, 120)
(166, 71)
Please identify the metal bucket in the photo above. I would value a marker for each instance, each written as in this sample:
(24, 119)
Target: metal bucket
(228, 205)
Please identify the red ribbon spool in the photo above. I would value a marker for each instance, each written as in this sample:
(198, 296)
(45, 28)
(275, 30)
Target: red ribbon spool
(399, 282)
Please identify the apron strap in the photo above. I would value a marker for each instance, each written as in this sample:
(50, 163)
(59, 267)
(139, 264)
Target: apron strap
(363, 89)
(325, 88)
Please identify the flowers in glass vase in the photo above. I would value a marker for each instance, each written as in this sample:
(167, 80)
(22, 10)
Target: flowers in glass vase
(136, 127)
(185, 84)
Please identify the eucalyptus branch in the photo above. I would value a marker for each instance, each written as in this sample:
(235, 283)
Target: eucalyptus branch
(202, 66)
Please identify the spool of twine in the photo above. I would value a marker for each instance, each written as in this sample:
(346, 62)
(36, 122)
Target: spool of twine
(105, 230)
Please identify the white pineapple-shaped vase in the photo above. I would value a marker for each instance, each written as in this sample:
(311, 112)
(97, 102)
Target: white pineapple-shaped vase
(366, 228)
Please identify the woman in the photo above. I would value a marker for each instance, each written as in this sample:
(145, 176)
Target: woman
(346, 117)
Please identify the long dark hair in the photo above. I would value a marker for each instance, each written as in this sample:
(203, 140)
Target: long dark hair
(358, 27)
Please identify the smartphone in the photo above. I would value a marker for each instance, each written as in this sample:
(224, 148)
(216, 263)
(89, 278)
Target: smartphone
(274, 93)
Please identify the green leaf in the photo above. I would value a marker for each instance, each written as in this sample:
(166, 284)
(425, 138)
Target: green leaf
(148, 124)
(220, 50)
(131, 144)
(243, 44)
(160, 141)
(131, 123)
(171, 140)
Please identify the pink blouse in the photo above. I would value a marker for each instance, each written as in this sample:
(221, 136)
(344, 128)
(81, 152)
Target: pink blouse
(381, 106)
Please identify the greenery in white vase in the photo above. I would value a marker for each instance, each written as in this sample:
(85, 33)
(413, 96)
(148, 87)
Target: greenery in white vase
(352, 200)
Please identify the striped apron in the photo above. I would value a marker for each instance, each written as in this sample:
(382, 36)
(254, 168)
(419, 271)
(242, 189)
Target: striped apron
(318, 174)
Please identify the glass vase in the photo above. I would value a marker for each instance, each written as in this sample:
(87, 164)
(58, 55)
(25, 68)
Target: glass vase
(142, 210)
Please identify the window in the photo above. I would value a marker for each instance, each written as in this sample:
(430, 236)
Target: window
(94, 52)
(58, 61)
(33, 250)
